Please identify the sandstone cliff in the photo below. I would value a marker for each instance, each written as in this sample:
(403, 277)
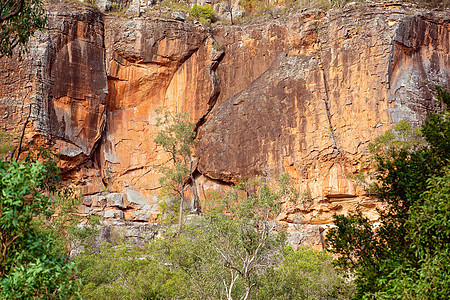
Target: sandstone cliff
(303, 94)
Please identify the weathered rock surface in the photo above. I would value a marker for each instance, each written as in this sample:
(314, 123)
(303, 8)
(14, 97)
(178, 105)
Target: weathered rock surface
(304, 94)
(59, 90)
(151, 64)
(306, 97)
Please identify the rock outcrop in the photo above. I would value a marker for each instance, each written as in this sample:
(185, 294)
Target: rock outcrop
(308, 96)
(302, 95)
(57, 94)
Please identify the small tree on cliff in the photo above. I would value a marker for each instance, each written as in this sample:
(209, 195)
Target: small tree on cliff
(176, 137)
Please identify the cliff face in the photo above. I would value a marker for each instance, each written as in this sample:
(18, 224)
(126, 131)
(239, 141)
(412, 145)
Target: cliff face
(303, 95)
(57, 94)
(308, 96)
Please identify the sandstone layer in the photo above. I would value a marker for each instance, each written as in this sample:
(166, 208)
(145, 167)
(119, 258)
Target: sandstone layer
(56, 95)
(303, 95)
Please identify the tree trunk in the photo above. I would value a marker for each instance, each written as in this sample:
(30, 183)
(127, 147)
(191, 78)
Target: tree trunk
(180, 217)
(231, 12)
(139, 8)
(197, 207)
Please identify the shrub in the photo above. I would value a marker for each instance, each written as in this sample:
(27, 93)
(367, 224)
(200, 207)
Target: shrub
(29, 265)
(405, 257)
(233, 251)
(204, 14)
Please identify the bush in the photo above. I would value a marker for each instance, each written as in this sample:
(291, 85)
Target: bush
(204, 14)
(233, 251)
(304, 274)
(125, 271)
(29, 265)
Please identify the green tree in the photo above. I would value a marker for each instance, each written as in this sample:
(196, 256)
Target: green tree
(19, 19)
(387, 258)
(235, 251)
(176, 137)
(303, 274)
(125, 271)
(29, 267)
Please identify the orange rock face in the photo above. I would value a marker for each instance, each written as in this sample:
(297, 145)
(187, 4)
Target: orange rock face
(58, 91)
(302, 95)
(322, 87)
(151, 65)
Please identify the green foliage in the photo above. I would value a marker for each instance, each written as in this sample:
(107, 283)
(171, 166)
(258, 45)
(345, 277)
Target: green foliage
(124, 271)
(29, 266)
(18, 21)
(304, 274)
(64, 225)
(401, 136)
(204, 14)
(233, 251)
(177, 5)
(118, 7)
(428, 275)
(405, 256)
(176, 138)
(223, 253)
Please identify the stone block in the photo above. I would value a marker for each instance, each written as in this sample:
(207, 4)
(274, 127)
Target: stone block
(134, 199)
(179, 16)
(83, 209)
(110, 213)
(115, 200)
(142, 216)
(87, 201)
(138, 216)
(99, 201)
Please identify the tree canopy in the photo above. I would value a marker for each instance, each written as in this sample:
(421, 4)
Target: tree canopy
(30, 268)
(406, 256)
(19, 19)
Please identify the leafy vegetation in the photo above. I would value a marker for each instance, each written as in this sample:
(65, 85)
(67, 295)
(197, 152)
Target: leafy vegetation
(30, 267)
(176, 138)
(204, 14)
(18, 21)
(405, 256)
(6, 145)
(233, 251)
(124, 271)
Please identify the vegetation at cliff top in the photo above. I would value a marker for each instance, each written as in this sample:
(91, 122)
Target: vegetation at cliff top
(407, 255)
(258, 10)
(204, 14)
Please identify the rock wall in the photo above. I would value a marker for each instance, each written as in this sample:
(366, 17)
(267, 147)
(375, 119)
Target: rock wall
(303, 95)
(306, 97)
(56, 95)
